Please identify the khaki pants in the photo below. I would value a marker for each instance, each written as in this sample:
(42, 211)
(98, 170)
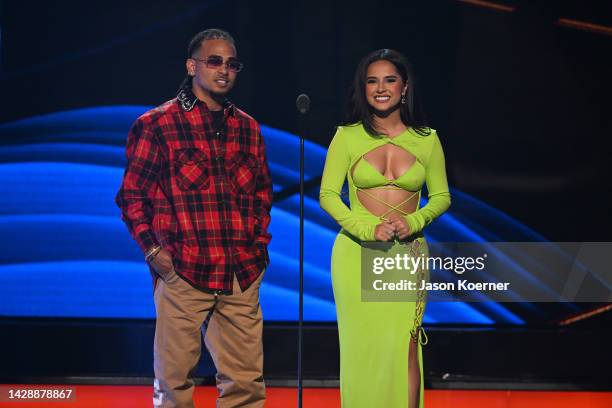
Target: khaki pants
(233, 336)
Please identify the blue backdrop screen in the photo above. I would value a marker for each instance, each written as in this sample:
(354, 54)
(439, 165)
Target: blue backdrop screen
(68, 254)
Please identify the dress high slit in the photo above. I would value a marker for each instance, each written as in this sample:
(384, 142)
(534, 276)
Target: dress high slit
(376, 337)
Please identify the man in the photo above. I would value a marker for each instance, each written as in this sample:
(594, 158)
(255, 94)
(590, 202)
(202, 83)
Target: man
(196, 196)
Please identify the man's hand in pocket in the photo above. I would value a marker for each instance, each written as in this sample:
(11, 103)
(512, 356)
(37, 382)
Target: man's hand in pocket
(162, 263)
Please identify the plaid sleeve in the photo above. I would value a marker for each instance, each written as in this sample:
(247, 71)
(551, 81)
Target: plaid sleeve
(135, 196)
(263, 194)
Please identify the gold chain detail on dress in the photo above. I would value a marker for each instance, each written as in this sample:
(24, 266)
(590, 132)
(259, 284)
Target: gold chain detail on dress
(418, 332)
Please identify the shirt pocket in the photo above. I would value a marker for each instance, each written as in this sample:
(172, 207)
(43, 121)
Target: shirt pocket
(245, 169)
(191, 169)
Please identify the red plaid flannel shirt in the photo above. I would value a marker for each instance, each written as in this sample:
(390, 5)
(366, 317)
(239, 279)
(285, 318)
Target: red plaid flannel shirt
(205, 197)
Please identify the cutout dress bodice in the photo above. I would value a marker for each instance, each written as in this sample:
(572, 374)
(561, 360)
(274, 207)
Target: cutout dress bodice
(346, 159)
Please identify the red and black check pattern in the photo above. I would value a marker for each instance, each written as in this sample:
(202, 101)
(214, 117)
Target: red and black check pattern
(202, 195)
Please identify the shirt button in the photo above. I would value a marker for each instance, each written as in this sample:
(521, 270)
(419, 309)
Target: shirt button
(219, 134)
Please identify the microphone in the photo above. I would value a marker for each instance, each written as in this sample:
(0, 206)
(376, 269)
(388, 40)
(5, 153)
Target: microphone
(302, 103)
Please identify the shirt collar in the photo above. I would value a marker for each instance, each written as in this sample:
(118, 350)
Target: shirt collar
(187, 101)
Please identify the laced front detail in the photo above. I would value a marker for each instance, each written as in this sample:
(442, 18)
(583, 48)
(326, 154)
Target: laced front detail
(392, 207)
(379, 181)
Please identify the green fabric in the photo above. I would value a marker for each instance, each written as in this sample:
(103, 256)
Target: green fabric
(367, 176)
(349, 145)
(375, 336)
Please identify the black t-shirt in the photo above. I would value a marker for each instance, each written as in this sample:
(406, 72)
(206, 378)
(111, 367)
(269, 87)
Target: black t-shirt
(217, 120)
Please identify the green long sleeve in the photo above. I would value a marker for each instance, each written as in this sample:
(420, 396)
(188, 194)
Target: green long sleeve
(437, 189)
(337, 164)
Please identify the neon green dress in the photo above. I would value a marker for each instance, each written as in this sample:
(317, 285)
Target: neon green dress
(375, 336)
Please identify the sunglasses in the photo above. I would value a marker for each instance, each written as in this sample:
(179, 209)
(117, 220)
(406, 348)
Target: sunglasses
(215, 61)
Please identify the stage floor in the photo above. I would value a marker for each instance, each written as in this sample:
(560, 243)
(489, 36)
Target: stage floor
(129, 396)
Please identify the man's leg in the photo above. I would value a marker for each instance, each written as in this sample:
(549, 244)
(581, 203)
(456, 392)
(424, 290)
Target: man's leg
(234, 339)
(181, 311)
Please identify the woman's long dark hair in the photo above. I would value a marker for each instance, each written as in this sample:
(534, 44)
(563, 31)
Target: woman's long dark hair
(359, 110)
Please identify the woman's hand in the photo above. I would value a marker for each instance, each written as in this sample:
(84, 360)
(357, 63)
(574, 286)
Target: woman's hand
(385, 231)
(400, 225)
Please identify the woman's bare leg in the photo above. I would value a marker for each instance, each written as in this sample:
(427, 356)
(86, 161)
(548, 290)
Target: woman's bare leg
(414, 375)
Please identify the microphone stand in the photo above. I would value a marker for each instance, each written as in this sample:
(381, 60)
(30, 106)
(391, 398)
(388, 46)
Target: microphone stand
(303, 104)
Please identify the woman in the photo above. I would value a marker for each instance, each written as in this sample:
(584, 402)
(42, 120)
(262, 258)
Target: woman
(386, 152)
